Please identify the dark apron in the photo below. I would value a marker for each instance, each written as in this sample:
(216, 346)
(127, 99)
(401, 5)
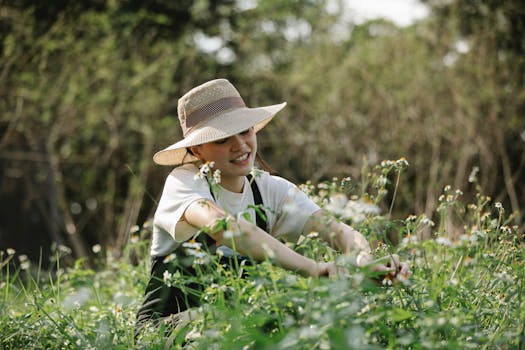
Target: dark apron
(161, 300)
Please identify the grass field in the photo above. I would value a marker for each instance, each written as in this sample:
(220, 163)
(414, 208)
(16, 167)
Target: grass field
(467, 292)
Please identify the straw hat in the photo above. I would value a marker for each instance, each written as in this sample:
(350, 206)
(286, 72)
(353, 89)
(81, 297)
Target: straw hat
(209, 112)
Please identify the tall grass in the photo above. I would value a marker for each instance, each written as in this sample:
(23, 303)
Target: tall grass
(467, 290)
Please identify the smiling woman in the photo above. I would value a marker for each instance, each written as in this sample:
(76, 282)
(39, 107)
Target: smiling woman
(229, 208)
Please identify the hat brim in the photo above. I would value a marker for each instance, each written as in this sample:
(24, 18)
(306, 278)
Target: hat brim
(217, 128)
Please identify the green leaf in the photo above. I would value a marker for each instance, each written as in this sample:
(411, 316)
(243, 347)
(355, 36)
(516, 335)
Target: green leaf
(399, 315)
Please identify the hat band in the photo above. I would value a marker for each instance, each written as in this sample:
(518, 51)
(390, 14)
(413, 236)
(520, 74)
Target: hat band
(212, 109)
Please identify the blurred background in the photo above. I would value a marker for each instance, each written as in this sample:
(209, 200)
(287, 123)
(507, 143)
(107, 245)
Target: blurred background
(89, 89)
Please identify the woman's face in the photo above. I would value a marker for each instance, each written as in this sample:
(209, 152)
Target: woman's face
(233, 156)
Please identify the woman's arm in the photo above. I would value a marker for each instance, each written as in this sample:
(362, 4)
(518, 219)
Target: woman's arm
(340, 236)
(347, 240)
(250, 240)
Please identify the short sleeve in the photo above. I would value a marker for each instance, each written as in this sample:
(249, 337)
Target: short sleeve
(294, 208)
(181, 189)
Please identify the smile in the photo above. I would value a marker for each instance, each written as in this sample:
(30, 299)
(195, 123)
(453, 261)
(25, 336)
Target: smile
(240, 158)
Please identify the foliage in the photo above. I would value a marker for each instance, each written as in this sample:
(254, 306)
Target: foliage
(90, 92)
(466, 292)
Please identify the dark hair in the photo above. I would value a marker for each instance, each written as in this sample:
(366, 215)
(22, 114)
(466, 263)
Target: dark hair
(263, 164)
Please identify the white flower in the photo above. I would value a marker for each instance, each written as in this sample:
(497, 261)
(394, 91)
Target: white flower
(196, 253)
(411, 218)
(381, 181)
(426, 221)
(255, 172)
(10, 251)
(313, 234)
(444, 241)
(96, 248)
(204, 170)
(217, 176)
(200, 261)
(64, 249)
(473, 174)
(167, 278)
(357, 210)
(147, 224)
(192, 244)
(402, 163)
(386, 163)
(169, 257)
(336, 203)
(506, 229)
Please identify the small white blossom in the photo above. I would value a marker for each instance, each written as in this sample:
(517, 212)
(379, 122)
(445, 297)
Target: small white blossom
(336, 203)
(386, 163)
(473, 174)
(200, 261)
(426, 221)
(217, 176)
(196, 253)
(255, 172)
(444, 241)
(169, 257)
(147, 224)
(313, 234)
(411, 218)
(10, 251)
(357, 210)
(204, 170)
(506, 229)
(167, 278)
(381, 181)
(192, 244)
(96, 248)
(64, 249)
(402, 163)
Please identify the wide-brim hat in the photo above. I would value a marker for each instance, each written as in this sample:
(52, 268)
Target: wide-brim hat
(209, 112)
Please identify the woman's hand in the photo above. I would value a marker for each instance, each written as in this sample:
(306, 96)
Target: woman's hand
(328, 269)
(391, 268)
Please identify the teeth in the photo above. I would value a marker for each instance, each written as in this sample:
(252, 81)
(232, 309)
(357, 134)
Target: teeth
(241, 158)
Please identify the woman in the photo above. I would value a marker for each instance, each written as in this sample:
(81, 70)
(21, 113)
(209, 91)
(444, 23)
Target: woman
(219, 129)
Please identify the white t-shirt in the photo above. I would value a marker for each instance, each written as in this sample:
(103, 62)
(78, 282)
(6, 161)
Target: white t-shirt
(287, 208)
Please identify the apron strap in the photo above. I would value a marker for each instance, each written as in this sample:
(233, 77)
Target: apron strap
(261, 222)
